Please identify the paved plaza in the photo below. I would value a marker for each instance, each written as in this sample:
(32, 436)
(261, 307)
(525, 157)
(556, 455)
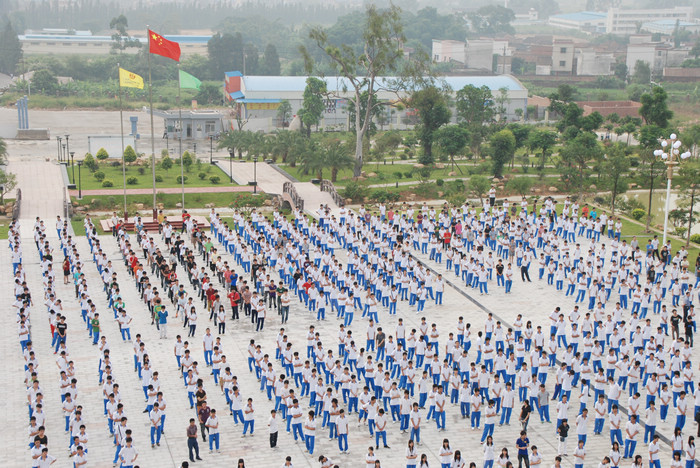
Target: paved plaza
(535, 301)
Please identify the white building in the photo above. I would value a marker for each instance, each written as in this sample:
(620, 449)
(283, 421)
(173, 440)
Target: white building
(624, 22)
(586, 21)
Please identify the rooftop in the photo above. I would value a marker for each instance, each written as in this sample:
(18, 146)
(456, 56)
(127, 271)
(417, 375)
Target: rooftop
(581, 16)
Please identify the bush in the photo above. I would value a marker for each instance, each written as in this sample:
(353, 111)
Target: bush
(115, 163)
(129, 154)
(439, 182)
(355, 191)
(102, 154)
(398, 174)
(695, 238)
(382, 196)
(202, 175)
(107, 183)
(132, 181)
(159, 178)
(215, 179)
(100, 176)
(90, 162)
(142, 170)
(408, 174)
(638, 214)
(179, 179)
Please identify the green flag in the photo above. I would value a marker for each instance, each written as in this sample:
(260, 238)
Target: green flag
(188, 81)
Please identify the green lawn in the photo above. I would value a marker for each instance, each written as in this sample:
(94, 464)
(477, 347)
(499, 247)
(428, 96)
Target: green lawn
(385, 173)
(169, 200)
(145, 180)
(4, 228)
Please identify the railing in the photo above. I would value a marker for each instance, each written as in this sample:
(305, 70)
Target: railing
(16, 208)
(290, 190)
(327, 186)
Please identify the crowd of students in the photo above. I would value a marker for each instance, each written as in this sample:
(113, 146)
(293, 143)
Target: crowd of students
(368, 263)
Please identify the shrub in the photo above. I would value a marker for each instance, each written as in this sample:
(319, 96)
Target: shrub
(439, 182)
(381, 196)
(159, 178)
(102, 154)
(115, 163)
(398, 174)
(695, 238)
(107, 183)
(129, 154)
(90, 162)
(100, 176)
(215, 179)
(179, 179)
(132, 181)
(638, 213)
(142, 170)
(408, 174)
(355, 191)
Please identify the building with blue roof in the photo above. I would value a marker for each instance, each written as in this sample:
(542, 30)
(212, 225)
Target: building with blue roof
(260, 96)
(587, 21)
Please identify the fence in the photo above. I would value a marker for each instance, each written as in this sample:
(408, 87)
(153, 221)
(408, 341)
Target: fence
(290, 190)
(327, 186)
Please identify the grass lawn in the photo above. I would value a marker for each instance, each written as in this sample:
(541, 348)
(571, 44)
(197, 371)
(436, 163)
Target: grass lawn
(145, 180)
(4, 228)
(385, 173)
(169, 200)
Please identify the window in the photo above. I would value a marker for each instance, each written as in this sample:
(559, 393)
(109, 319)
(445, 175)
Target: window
(562, 50)
(562, 63)
(210, 127)
(82, 44)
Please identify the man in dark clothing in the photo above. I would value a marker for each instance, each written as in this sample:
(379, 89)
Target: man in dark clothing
(523, 444)
(192, 444)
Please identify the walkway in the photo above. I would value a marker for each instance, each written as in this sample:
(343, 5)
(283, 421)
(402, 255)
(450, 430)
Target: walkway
(42, 192)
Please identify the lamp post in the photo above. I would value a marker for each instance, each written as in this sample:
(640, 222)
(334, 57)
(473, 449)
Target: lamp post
(80, 182)
(211, 149)
(231, 153)
(65, 155)
(58, 141)
(670, 154)
(72, 164)
(255, 173)
(67, 147)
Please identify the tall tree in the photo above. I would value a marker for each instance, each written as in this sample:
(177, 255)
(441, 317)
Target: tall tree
(616, 166)
(475, 108)
(689, 173)
(380, 54)
(452, 139)
(491, 20)
(284, 112)
(10, 51)
(655, 109)
(544, 140)
(431, 105)
(502, 148)
(122, 39)
(270, 62)
(642, 73)
(313, 106)
(225, 53)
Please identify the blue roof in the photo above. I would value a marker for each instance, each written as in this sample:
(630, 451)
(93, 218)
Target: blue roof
(258, 101)
(337, 84)
(671, 22)
(582, 16)
(236, 95)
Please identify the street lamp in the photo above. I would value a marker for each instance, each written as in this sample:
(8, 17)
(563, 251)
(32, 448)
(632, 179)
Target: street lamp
(72, 164)
(67, 147)
(65, 155)
(80, 182)
(670, 154)
(231, 153)
(255, 173)
(211, 149)
(58, 141)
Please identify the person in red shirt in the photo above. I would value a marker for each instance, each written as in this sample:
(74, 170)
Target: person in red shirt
(235, 299)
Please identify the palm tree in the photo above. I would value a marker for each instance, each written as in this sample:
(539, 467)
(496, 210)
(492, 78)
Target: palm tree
(312, 158)
(3, 152)
(233, 140)
(283, 143)
(337, 157)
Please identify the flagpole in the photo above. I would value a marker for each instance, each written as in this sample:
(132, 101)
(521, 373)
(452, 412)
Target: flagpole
(121, 123)
(153, 140)
(179, 108)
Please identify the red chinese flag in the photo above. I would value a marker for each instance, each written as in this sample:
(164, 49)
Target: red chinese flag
(159, 45)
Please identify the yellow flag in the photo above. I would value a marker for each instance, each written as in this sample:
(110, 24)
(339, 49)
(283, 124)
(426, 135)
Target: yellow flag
(130, 80)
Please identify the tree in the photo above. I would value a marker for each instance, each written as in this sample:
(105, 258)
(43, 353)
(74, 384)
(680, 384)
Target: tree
(620, 71)
(492, 20)
(313, 106)
(649, 170)
(642, 73)
(8, 182)
(691, 138)
(187, 160)
(270, 62)
(284, 112)
(544, 140)
(44, 81)
(478, 185)
(689, 173)
(336, 156)
(3, 152)
(102, 154)
(575, 156)
(520, 185)
(475, 108)
(11, 50)
(616, 166)
(209, 93)
(380, 54)
(655, 109)
(225, 53)
(502, 147)
(129, 154)
(431, 105)
(166, 163)
(452, 139)
(121, 37)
